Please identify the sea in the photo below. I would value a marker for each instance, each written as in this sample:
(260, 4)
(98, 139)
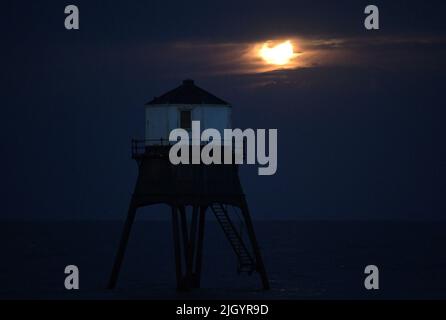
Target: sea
(305, 260)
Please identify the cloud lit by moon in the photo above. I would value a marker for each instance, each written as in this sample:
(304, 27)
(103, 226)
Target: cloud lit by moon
(264, 55)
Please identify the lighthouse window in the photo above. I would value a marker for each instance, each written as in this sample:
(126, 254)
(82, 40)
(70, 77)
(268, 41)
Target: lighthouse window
(185, 119)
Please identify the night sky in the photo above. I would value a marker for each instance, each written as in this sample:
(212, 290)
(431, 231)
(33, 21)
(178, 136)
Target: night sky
(360, 121)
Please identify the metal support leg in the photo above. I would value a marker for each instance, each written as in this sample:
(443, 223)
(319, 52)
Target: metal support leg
(123, 244)
(199, 254)
(184, 231)
(191, 245)
(260, 267)
(177, 248)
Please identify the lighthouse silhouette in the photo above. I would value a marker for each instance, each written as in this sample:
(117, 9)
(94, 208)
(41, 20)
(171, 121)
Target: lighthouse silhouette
(191, 190)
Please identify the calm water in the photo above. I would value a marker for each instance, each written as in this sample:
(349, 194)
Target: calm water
(305, 260)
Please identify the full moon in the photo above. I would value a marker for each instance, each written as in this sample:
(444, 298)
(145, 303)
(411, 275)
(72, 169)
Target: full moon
(280, 54)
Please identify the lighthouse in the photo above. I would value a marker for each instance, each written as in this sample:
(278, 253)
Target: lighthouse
(192, 191)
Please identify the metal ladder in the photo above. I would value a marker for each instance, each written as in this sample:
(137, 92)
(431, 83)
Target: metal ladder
(246, 263)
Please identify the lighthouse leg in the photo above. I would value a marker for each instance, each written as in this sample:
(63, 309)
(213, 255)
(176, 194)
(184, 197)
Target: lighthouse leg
(184, 231)
(260, 267)
(177, 249)
(191, 247)
(123, 244)
(199, 249)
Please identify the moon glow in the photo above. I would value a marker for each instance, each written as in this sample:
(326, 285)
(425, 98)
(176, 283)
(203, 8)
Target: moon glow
(279, 54)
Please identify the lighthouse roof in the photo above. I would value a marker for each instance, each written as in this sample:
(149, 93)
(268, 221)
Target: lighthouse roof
(187, 93)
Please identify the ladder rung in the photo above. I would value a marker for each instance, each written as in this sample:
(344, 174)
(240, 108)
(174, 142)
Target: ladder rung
(246, 262)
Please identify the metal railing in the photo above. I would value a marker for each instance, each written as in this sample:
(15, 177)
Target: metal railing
(140, 147)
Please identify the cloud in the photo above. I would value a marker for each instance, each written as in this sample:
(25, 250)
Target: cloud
(214, 59)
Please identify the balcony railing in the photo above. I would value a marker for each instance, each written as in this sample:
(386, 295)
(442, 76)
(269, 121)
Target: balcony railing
(140, 147)
(146, 146)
